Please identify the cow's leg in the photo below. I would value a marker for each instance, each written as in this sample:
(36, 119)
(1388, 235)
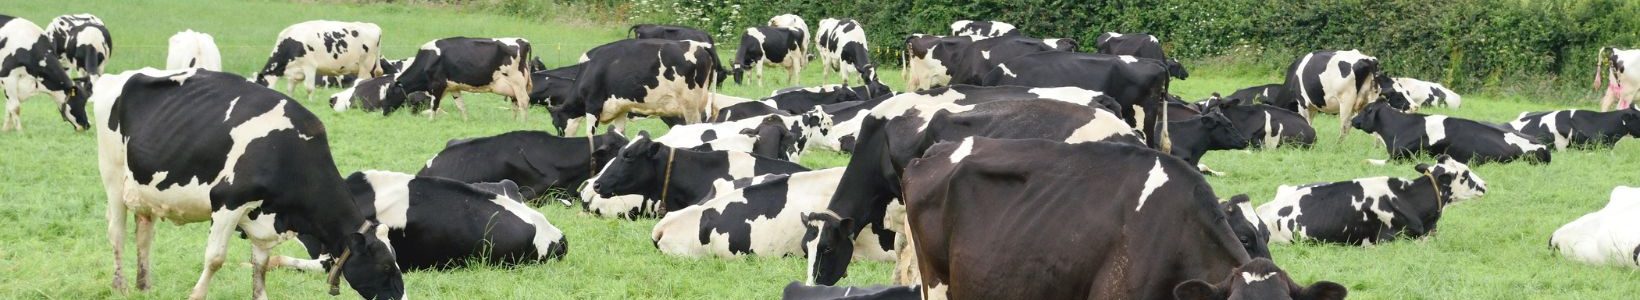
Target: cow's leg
(145, 238)
(619, 124)
(460, 104)
(14, 108)
(521, 100)
(759, 74)
(571, 125)
(1611, 96)
(263, 237)
(1346, 111)
(116, 222)
(216, 247)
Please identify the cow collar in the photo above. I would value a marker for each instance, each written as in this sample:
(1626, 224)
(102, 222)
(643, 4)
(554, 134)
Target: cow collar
(336, 267)
(666, 180)
(1440, 205)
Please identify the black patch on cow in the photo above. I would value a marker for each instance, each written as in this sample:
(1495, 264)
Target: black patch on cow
(283, 54)
(708, 135)
(765, 201)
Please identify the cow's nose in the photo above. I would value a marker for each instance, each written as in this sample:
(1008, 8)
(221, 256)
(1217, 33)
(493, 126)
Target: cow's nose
(558, 249)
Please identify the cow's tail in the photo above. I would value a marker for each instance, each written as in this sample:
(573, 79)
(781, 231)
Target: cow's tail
(1165, 139)
(1599, 65)
(632, 32)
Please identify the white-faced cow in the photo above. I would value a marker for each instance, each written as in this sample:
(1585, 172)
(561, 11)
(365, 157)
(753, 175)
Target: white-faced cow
(192, 49)
(1579, 128)
(462, 64)
(1371, 210)
(929, 59)
(1124, 221)
(1609, 236)
(1139, 45)
(1341, 82)
(842, 45)
(982, 57)
(368, 95)
(538, 161)
(195, 146)
(83, 43)
(678, 178)
(795, 22)
(307, 50)
(765, 219)
(774, 136)
(1623, 67)
(28, 66)
(1417, 93)
(982, 29)
(1406, 135)
(1263, 125)
(1138, 85)
(770, 45)
(438, 223)
(649, 76)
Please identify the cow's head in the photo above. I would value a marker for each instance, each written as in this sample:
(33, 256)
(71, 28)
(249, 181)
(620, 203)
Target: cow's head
(829, 245)
(397, 98)
(1257, 279)
(1249, 228)
(1454, 177)
(1107, 103)
(1176, 69)
(1370, 119)
(1221, 132)
(370, 266)
(1631, 120)
(1393, 93)
(73, 102)
(774, 139)
(635, 168)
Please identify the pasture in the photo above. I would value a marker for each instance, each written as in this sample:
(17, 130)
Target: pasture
(53, 244)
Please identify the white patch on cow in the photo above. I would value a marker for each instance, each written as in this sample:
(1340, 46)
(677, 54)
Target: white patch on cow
(231, 105)
(1434, 129)
(678, 233)
(1250, 277)
(1522, 143)
(1068, 94)
(545, 233)
(1006, 71)
(1155, 180)
(813, 247)
(936, 291)
(741, 165)
(1128, 58)
(963, 150)
(255, 128)
(1375, 191)
(192, 49)
(1272, 132)
(985, 53)
(1247, 213)
(1103, 125)
(341, 100)
(756, 34)
(1286, 197)
(392, 190)
(1604, 237)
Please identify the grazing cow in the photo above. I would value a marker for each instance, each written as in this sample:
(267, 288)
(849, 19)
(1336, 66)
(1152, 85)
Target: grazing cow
(1579, 128)
(1258, 279)
(83, 43)
(1127, 222)
(194, 146)
(1250, 229)
(307, 50)
(981, 57)
(28, 67)
(1406, 135)
(553, 87)
(1370, 210)
(1607, 236)
(1257, 94)
(192, 49)
(368, 95)
(795, 22)
(536, 160)
(1341, 82)
(765, 219)
(1265, 126)
(1139, 85)
(843, 48)
(774, 136)
(648, 76)
(463, 64)
(1417, 93)
(929, 60)
(769, 45)
(438, 223)
(677, 33)
(678, 178)
(982, 29)
(1624, 71)
(799, 291)
(1139, 45)
(1193, 136)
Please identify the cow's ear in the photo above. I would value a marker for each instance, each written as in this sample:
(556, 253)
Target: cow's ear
(1195, 289)
(1423, 168)
(847, 224)
(641, 133)
(806, 217)
(1239, 199)
(1324, 290)
(1443, 158)
(751, 132)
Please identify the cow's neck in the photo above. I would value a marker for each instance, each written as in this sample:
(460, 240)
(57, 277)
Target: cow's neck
(689, 181)
(1394, 123)
(1428, 199)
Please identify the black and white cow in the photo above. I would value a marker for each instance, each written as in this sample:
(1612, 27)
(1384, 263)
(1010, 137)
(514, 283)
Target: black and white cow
(1579, 128)
(765, 219)
(746, 110)
(842, 45)
(368, 95)
(649, 76)
(1250, 229)
(553, 87)
(1258, 279)
(1623, 67)
(462, 64)
(774, 136)
(1341, 82)
(538, 161)
(1152, 226)
(1417, 93)
(28, 66)
(1138, 85)
(982, 29)
(1139, 45)
(799, 291)
(1263, 125)
(930, 59)
(845, 119)
(192, 49)
(1257, 94)
(438, 223)
(83, 43)
(770, 45)
(803, 100)
(1191, 137)
(304, 51)
(677, 178)
(1371, 210)
(676, 33)
(1406, 135)
(195, 146)
(982, 57)
(1608, 236)
(795, 22)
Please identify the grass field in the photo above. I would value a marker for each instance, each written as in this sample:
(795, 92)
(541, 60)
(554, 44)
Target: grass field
(53, 243)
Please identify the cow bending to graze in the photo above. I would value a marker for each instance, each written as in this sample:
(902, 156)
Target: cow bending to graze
(982, 57)
(438, 223)
(765, 219)
(1265, 126)
(192, 49)
(842, 45)
(83, 43)
(1127, 223)
(929, 60)
(195, 146)
(677, 178)
(1609, 236)
(304, 51)
(1137, 84)
(982, 29)
(1418, 93)
(1408, 135)
(1623, 67)
(799, 291)
(1139, 45)
(538, 161)
(795, 22)
(1579, 128)
(463, 64)
(770, 45)
(28, 67)
(553, 87)
(1341, 82)
(1370, 210)
(647, 76)
(369, 95)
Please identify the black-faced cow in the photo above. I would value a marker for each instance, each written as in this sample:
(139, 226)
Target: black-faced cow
(982, 29)
(1250, 229)
(649, 76)
(553, 87)
(1138, 85)
(192, 49)
(368, 95)
(1257, 94)
(1579, 128)
(1417, 93)
(1191, 137)
(1130, 222)
(1258, 279)
(438, 223)
(799, 291)
(677, 178)
(307, 50)
(676, 33)
(929, 60)
(536, 160)
(1604, 237)
(28, 66)
(765, 219)
(462, 64)
(1371, 210)
(1407, 135)
(1265, 126)
(795, 22)
(195, 146)
(1139, 45)
(1623, 67)
(842, 45)
(83, 43)
(981, 57)
(770, 45)
(1341, 82)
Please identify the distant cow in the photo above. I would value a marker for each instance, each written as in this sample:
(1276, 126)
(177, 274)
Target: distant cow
(28, 66)
(192, 49)
(83, 43)
(1623, 66)
(432, 222)
(842, 45)
(800, 101)
(1409, 135)
(307, 50)
(1193, 136)
(1370, 210)
(982, 29)
(1137, 84)
(769, 45)
(799, 291)
(1341, 82)
(368, 95)
(1418, 93)
(765, 219)
(536, 160)
(1609, 236)
(795, 22)
(236, 155)
(678, 33)
(462, 64)
(982, 57)
(648, 76)
(1139, 45)
(1257, 94)
(774, 136)
(677, 178)
(1266, 126)
(1579, 128)
(930, 60)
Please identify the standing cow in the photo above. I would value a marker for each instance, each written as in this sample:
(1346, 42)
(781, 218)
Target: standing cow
(981, 57)
(1624, 71)
(1139, 45)
(769, 45)
(307, 50)
(982, 29)
(28, 66)
(843, 49)
(1138, 85)
(462, 64)
(795, 22)
(192, 49)
(83, 43)
(1340, 82)
(648, 76)
(929, 59)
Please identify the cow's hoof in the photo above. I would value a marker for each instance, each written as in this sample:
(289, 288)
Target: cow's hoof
(119, 284)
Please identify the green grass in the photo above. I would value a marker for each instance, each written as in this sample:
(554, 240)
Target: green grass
(55, 246)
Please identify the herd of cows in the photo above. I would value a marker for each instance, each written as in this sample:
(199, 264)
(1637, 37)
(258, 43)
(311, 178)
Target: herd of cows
(1009, 167)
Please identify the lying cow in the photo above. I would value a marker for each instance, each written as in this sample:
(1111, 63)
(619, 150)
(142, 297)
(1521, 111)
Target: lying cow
(83, 43)
(1191, 137)
(678, 178)
(1341, 82)
(765, 219)
(1579, 128)
(648, 76)
(1406, 135)
(800, 291)
(237, 155)
(770, 45)
(1250, 229)
(304, 51)
(1266, 126)
(1139, 45)
(192, 49)
(1607, 236)
(1624, 71)
(369, 95)
(982, 29)
(432, 221)
(774, 136)
(538, 161)
(1258, 279)
(842, 45)
(800, 101)
(1137, 84)
(1370, 210)
(463, 64)
(1418, 93)
(1258, 94)
(29, 67)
